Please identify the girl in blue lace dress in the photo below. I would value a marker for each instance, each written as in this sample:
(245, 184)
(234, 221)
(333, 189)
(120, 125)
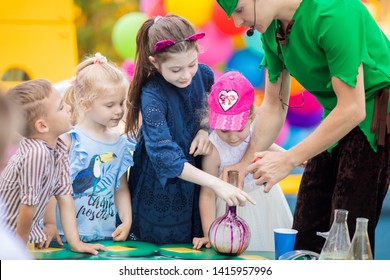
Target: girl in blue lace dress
(100, 155)
(168, 96)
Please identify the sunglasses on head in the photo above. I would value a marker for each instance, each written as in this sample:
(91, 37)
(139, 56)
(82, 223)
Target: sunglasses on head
(167, 43)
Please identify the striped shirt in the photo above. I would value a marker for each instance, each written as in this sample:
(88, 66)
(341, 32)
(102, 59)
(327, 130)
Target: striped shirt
(34, 174)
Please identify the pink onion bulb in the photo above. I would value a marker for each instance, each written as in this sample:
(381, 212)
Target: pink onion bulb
(229, 234)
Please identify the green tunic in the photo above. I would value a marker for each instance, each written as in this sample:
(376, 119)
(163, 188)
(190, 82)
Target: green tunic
(332, 38)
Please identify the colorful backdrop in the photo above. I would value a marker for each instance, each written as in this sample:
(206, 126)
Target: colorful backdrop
(46, 38)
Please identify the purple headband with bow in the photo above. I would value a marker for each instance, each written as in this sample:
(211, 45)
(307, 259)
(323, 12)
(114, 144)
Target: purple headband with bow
(160, 45)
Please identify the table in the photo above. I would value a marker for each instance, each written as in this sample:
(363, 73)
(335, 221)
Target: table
(146, 251)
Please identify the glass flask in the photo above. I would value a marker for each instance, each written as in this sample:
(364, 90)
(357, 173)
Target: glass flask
(300, 255)
(337, 241)
(360, 246)
(230, 233)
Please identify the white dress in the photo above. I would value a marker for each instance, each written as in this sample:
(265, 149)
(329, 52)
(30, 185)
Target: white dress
(271, 209)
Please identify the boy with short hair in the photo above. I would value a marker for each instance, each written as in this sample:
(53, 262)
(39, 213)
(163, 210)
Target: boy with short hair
(40, 167)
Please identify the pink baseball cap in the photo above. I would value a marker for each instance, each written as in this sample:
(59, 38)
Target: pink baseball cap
(230, 102)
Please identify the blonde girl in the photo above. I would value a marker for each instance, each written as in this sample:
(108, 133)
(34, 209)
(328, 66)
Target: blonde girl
(100, 155)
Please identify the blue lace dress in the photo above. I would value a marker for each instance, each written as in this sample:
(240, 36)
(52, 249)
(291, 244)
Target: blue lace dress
(165, 208)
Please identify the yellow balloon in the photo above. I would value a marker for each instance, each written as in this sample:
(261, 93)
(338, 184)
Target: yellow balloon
(238, 41)
(197, 12)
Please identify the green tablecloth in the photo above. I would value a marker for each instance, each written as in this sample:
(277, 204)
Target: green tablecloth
(143, 250)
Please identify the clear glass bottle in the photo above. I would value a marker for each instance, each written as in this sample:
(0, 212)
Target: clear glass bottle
(337, 241)
(230, 233)
(360, 246)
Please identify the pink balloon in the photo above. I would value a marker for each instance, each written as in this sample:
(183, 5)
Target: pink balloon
(152, 7)
(145, 5)
(283, 135)
(310, 103)
(128, 68)
(217, 74)
(216, 47)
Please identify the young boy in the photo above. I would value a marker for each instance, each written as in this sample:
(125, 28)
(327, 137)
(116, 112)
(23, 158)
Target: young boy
(40, 167)
(12, 248)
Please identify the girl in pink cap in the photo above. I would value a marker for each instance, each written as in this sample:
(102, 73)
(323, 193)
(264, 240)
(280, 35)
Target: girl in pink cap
(231, 116)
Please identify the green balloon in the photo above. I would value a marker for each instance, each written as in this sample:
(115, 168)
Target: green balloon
(124, 34)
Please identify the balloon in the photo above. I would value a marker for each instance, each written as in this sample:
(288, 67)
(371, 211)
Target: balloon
(157, 9)
(304, 120)
(124, 34)
(197, 12)
(259, 96)
(295, 87)
(283, 134)
(217, 74)
(210, 54)
(146, 5)
(238, 42)
(254, 43)
(225, 24)
(247, 63)
(128, 68)
(296, 135)
(310, 103)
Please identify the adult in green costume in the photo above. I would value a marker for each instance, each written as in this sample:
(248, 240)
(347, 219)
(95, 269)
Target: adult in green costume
(336, 50)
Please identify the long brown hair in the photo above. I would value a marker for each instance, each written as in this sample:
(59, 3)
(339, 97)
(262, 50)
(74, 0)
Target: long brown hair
(153, 30)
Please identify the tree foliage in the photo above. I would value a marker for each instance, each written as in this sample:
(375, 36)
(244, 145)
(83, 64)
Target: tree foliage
(95, 20)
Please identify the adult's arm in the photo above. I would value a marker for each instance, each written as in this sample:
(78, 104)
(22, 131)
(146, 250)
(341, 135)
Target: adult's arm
(347, 114)
(270, 117)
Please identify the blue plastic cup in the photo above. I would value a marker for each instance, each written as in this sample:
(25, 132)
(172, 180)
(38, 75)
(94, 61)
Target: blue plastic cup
(284, 240)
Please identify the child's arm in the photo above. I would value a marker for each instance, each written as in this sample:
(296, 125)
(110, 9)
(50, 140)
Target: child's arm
(68, 222)
(24, 221)
(201, 145)
(231, 194)
(49, 223)
(210, 164)
(123, 204)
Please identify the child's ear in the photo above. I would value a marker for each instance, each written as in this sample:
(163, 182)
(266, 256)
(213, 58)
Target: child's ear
(41, 126)
(251, 118)
(85, 104)
(153, 61)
